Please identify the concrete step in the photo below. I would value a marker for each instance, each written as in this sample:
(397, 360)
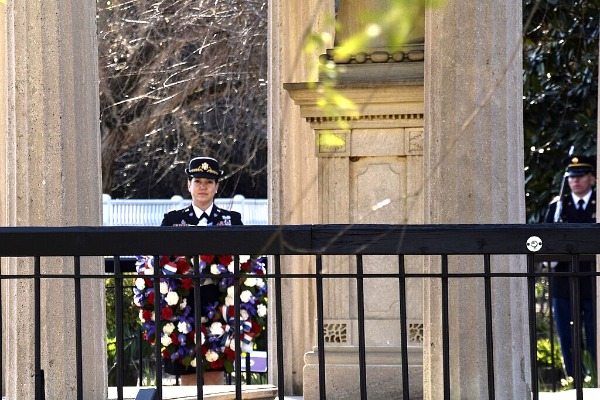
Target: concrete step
(212, 392)
(588, 394)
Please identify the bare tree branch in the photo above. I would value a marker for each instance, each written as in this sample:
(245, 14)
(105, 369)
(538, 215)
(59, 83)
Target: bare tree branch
(179, 79)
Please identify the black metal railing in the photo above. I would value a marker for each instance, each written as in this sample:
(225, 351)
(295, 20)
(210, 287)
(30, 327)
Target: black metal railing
(560, 240)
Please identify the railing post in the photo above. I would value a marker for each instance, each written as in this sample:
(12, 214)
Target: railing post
(177, 202)
(278, 325)
(39, 373)
(574, 283)
(78, 329)
(532, 326)
(157, 330)
(107, 210)
(320, 328)
(2, 318)
(119, 328)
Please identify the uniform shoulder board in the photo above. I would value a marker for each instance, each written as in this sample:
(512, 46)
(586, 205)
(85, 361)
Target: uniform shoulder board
(172, 210)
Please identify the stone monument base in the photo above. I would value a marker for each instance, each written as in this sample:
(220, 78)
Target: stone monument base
(384, 373)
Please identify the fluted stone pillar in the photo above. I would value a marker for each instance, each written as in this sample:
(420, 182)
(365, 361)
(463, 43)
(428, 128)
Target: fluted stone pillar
(51, 149)
(2, 150)
(474, 174)
(293, 171)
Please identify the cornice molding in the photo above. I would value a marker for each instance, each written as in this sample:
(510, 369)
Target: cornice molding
(324, 119)
(406, 54)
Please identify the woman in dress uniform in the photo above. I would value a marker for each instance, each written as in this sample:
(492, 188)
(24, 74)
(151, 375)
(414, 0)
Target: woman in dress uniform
(203, 183)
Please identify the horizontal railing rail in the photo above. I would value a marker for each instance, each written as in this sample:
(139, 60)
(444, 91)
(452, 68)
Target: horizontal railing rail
(537, 242)
(301, 239)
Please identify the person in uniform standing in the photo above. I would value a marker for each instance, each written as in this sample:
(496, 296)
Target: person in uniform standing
(203, 175)
(578, 206)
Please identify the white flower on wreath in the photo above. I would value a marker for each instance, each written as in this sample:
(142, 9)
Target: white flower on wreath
(164, 287)
(165, 340)
(214, 269)
(149, 271)
(229, 300)
(168, 328)
(244, 315)
(183, 304)
(246, 296)
(216, 329)
(261, 310)
(244, 258)
(250, 282)
(260, 283)
(193, 362)
(211, 356)
(230, 291)
(184, 327)
(172, 298)
(140, 283)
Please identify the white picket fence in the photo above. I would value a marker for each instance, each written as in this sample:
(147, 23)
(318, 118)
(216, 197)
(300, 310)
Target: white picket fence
(150, 212)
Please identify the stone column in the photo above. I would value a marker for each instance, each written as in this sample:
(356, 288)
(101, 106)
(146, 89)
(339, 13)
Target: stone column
(474, 174)
(2, 159)
(52, 151)
(293, 170)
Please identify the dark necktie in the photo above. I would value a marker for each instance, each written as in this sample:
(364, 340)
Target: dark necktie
(580, 209)
(204, 216)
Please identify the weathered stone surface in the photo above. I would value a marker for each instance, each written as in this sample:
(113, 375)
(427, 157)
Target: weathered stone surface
(473, 151)
(52, 148)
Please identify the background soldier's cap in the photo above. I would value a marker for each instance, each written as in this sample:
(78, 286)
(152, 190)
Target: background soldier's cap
(580, 165)
(204, 167)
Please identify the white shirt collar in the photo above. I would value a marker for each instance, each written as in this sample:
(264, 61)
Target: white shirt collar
(198, 211)
(585, 198)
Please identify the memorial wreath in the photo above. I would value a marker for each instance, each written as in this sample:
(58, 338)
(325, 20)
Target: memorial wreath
(177, 321)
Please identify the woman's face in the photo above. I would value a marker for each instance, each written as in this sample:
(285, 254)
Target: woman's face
(203, 191)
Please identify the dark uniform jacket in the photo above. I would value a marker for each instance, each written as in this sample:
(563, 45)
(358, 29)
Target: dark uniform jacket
(187, 216)
(560, 285)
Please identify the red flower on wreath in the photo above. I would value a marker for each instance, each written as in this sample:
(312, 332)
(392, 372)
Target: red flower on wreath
(147, 315)
(246, 266)
(166, 313)
(187, 283)
(207, 258)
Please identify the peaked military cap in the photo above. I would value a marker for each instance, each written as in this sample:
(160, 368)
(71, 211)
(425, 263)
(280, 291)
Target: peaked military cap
(580, 165)
(204, 167)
